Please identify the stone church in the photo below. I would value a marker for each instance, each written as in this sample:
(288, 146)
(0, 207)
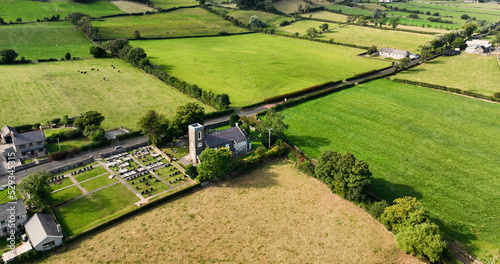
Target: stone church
(234, 138)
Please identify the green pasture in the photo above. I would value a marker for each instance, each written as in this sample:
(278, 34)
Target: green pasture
(174, 3)
(97, 183)
(253, 67)
(95, 208)
(53, 40)
(439, 147)
(456, 20)
(490, 15)
(327, 16)
(5, 196)
(288, 6)
(33, 10)
(482, 74)
(363, 36)
(95, 171)
(183, 22)
(40, 92)
(350, 10)
(270, 18)
(419, 23)
(65, 182)
(132, 7)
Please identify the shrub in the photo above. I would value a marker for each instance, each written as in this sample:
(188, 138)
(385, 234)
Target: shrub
(377, 208)
(424, 240)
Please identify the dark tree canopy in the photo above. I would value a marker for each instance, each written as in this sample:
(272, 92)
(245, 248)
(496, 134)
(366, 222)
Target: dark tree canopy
(90, 118)
(233, 120)
(273, 120)
(423, 240)
(156, 127)
(188, 114)
(344, 174)
(8, 55)
(116, 45)
(35, 184)
(98, 52)
(74, 17)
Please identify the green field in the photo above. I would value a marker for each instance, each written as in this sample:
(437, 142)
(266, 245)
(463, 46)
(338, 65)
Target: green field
(253, 67)
(364, 36)
(95, 171)
(350, 10)
(174, 3)
(183, 22)
(63, 183)
(69, 144)
(439, 147)
(94, 209)
(132, 7)
(288, 6)
(64, 195)
(33, 10)
(98, 182)
(270, 18)
(5, 197)
(53, 40)
(40, 92)
(482, 74)
(327, 16)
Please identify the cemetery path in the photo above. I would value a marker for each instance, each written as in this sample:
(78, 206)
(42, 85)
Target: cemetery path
(122, 181)
(77, 184)
(85, 194)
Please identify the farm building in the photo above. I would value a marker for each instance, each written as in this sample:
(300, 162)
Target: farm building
(43, 232)
(393, 53)
(12, 216)
(7, 133)
(478, 46)
(234, 138)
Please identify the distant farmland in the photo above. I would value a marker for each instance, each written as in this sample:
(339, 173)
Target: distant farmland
(35, 93)
(183, 22)
(439, 147)
(272, 215)
(53, 40)
(253, 67)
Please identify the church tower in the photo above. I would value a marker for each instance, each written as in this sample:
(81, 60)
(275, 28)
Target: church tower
(196, 141)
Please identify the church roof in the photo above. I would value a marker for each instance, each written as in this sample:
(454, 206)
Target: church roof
(235, 134)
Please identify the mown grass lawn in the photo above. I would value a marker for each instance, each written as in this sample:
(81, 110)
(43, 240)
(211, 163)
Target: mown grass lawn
(183, 22)
(327, 15)
(53, 40)
(40, 92)
(95, 208)
(76, 169)
(33, 10)
(439, 147)
(98, 182)
(482, 74)
(132, 7)
(69, 144)
(363, 36)
(270, 18)
(95, 171)
(62, 183)
(253, 67)
(174, 3)
(64, 195)
(5, 196)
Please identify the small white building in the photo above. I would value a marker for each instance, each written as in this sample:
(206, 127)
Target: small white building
(393, 53)
(478, 46)
(43, 232)
(385, 1)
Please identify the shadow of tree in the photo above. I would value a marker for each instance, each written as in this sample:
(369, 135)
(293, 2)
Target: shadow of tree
(309, 141)
(391, 191)
(457, 231)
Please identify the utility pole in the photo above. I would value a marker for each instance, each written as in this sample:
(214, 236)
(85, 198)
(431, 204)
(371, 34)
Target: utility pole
(269, 143)
(58, 143)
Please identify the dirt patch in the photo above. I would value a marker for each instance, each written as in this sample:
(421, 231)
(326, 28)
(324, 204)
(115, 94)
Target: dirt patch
(272, 215)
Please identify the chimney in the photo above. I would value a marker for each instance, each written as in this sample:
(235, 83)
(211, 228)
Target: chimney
(59, 228)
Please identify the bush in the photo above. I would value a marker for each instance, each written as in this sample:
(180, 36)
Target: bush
(424, 240)
(130, 134)
(23, 128)
(377, 208)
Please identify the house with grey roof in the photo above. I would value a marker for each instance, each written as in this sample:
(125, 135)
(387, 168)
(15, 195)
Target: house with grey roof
(6, 134)
(43, 232)
(12, 216)
(393, 53)
(29, 144)
(234, 138)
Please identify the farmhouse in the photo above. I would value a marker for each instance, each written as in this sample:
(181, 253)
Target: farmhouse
(12, 216)
(393, 53)
(478, 46)
(43, 232)
(234, 138)
(25, 145)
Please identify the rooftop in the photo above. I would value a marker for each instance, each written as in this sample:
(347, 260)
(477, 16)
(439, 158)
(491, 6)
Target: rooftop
(227, 135)
(41, 226)
(394, 51)
(28, 137)
(20, 209)
(6, 130)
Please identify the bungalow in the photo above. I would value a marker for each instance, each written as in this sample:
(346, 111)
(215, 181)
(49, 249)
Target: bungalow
(393, 53)
(478, 46)
(234, 138)
(12, 216)
(43, 232)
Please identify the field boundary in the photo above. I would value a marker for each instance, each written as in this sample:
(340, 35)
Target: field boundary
(148, 12)
(182, 37)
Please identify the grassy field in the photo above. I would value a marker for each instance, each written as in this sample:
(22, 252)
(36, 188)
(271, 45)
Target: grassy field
(364, 36)
(95, 208)
(33, 10)
(69, 144)
(5, 197)
(82, 176)
(272, 215)
(132, 7)
(350, 10)
(183, 22)
(482, 74)
(327, 15)
(53, 40)
(64, 195)
(63, 183)
(439, 147)
(174, 3)
(98, 182)
(288, 6)
(270, 18)
(40, 92)
(252, 67)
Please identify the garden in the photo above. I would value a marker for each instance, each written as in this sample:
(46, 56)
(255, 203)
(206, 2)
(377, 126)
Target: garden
(438, 147)
(253, 67)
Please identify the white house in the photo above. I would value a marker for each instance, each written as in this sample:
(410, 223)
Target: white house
(478, 46)
(393, 53)
(43, 232)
